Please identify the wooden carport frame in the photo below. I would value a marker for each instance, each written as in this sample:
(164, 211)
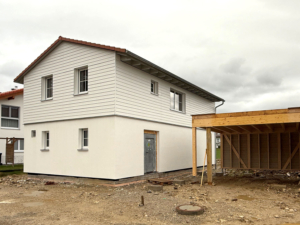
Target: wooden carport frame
(269, 124)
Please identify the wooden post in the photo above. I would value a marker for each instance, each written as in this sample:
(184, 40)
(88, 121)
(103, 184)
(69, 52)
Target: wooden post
(209, 156)
(194, 131)
(222, 149)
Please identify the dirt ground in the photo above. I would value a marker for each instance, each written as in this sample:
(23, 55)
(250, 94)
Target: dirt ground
(233, 200)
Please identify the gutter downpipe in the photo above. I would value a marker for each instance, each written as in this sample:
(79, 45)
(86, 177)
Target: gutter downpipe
(215, 136)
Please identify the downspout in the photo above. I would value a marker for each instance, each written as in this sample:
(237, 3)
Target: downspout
(215, 137)
(219, 105)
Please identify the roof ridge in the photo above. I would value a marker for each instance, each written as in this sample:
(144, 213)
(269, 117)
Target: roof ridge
(58, 41)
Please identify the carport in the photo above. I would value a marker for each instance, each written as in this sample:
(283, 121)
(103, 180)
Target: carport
(267, 140)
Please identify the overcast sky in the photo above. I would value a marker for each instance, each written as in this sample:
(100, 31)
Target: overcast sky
(247, 52)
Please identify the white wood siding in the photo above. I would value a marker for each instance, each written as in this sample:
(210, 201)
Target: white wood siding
(61, 63)
(133, 98)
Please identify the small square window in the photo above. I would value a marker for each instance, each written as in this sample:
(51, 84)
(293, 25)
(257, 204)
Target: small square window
(154, 87)
(33, 133)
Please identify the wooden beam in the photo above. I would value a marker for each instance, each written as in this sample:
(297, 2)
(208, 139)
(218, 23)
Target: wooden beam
(194, 139)
(209, 156)
(223, 129)
(246, 128)
(235, 152)
(270, 127)
(248, 149)
(239, 149)
(258, 150)
(213, 121)
(235, 129)
(268, 147)
(256, 128)
(283, 127)
(222, 149)
(279, 150)
(291, 156)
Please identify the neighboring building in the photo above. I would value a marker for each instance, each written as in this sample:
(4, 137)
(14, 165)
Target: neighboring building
(218, 140)
(97, 111)
(11, 103)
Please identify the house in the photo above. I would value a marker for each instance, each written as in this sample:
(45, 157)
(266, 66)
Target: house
(11, 103)
(98, 111)
(218, 140)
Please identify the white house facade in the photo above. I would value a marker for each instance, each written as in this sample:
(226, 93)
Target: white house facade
(102, 112)
(11, 104)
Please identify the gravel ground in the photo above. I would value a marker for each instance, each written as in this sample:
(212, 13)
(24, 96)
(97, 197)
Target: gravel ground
(231, 201)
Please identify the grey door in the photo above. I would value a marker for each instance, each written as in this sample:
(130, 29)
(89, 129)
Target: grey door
(149, 152)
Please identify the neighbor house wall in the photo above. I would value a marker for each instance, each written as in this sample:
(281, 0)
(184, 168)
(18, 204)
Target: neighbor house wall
(61, 63)
(133, 98)
(12, 132)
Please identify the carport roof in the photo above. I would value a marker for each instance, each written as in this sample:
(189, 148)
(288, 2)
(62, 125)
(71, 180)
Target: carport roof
(266, 121)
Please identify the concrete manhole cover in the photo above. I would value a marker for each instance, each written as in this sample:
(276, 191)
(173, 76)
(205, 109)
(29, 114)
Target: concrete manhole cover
(190, 209)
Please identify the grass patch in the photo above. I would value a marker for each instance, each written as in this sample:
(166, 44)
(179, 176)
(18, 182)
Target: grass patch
(7, 168)
(218, 153)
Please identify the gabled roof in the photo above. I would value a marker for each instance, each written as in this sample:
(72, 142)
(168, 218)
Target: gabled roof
(133, 60)
(11, 94)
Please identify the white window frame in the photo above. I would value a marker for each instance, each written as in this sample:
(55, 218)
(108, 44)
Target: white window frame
(10, 118)
(155, 87)
(19, 146)
(82, 139)
(87, 86)
(81, 145)
(44, 140)
(183, 101)
(46, 87)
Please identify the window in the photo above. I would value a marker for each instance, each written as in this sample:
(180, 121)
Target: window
(9, 116)
(85, 138)
(83, 81)
(33, 133)
(46, 140)
(154, 87)
(177, 101)
(19, 146)
(49, 87)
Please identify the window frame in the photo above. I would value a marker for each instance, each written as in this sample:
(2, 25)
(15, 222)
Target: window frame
(45, 140)
(182, 101)
(19, 146)
(83, 138)
(46, 87)
(9, 117)
(155, 87)
(86, 81)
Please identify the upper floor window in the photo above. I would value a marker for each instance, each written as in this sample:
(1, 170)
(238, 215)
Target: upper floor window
(154, 87)
(83, 81)
(9, 116)
(177, 101)
(49, 87)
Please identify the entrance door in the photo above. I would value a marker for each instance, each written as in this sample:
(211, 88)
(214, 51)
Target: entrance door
(149, 153)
